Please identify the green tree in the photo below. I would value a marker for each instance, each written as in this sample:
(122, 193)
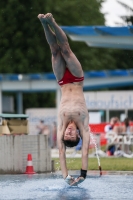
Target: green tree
(20, 37)
(23, 47)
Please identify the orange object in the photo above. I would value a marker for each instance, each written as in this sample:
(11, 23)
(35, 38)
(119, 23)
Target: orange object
(29, 167)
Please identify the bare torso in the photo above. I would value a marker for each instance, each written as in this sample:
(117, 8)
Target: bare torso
(73, 107)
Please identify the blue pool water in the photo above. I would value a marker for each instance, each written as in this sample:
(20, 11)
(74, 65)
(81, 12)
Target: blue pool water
(53, 187)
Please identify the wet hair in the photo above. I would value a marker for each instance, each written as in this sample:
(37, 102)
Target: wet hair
(70, 143)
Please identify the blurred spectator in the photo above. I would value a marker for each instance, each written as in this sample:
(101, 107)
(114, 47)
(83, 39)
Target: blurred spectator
(111, 126)
(126, 128)
(77, 148)
(43, 128)
(79, 145)
(117, 127)
(112, 129)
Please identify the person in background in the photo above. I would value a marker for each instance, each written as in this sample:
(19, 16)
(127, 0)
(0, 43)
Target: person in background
(127, 130)
(110, 127)
(117, 127)
(126, 127)
(111, 131)
(43, 128)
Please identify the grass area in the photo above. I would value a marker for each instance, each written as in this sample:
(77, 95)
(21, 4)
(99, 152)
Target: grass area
(110, 164)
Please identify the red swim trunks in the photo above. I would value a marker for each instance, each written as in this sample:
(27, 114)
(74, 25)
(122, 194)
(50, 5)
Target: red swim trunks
(69, 78)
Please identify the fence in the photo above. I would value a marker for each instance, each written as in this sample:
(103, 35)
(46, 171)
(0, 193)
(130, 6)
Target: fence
(14, 151)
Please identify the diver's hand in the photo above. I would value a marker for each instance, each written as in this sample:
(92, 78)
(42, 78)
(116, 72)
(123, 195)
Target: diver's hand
(77, 181)
(69, 179)
(81, 178)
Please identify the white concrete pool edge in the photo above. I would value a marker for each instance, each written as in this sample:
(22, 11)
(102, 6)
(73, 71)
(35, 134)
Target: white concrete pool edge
(96, 172)
(77, 172)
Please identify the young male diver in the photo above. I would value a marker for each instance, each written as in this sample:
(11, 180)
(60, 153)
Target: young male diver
(73, 117)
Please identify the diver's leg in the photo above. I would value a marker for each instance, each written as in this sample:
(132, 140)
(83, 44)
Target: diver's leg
(58, 62)
(71, 61)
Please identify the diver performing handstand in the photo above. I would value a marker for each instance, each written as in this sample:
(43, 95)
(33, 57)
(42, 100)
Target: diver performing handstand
(73, 117)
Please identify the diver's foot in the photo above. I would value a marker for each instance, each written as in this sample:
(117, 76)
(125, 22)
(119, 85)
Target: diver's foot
(49, 18)
(42, 18)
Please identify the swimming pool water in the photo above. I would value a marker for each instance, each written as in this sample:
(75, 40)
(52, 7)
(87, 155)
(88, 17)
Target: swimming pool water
(53, 187)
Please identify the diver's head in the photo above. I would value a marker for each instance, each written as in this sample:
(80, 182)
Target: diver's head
(71, 135)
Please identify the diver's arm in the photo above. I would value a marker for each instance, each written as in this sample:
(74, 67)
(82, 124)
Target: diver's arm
(61, 146)
(85, 142)
(62, 155)
(85, 148)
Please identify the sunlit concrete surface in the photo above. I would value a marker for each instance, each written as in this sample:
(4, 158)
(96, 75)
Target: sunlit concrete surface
(53, 187)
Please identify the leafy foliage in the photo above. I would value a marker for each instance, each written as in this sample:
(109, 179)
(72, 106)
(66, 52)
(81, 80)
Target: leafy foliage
(24, 49)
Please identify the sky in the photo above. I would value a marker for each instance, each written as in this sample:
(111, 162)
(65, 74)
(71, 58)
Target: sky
(114, 10)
